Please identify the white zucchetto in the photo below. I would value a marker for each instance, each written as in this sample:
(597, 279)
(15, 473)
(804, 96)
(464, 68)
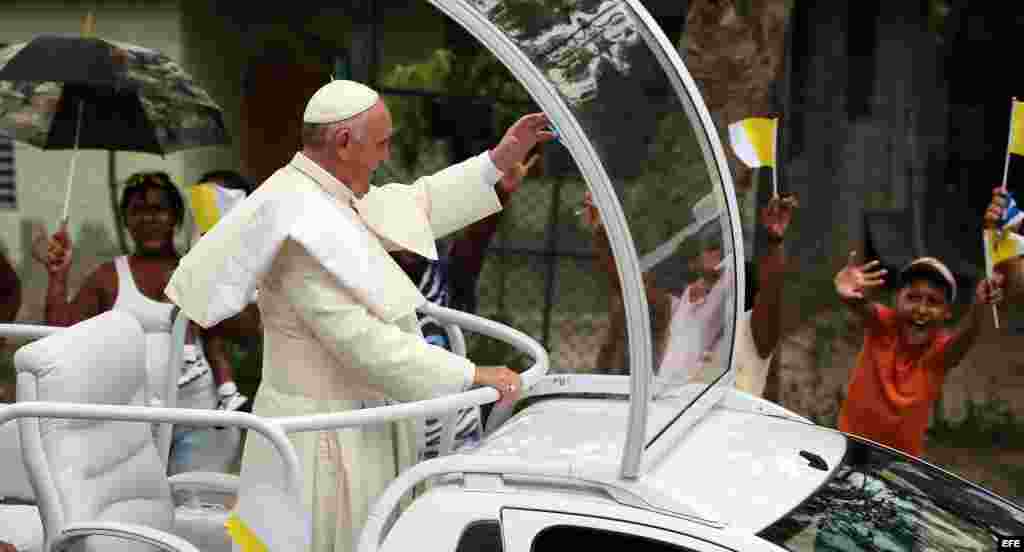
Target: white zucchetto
(339, 100)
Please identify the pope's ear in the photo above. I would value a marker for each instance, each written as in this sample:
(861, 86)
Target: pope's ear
(342, 139)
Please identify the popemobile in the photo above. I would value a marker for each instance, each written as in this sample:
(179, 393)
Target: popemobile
(639, 462)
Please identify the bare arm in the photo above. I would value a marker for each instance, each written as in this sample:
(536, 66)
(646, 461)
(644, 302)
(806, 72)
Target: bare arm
(240, 327)
(90, 298)
(88, 302)
(765, 320)
(987, 292)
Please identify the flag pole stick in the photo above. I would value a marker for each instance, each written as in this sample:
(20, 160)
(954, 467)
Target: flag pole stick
(1009, 141)
(775, 160)
(986, 235)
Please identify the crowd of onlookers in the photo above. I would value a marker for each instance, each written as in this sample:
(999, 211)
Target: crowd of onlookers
(906, 353)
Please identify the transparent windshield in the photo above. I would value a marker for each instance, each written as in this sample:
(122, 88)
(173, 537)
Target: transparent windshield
(605, 64)
(880, 501)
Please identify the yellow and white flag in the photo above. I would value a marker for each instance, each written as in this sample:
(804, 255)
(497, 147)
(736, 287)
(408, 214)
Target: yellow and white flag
(1017, 128)
(268, 520)
(210, 202)
(1003, 246)
(753, 140)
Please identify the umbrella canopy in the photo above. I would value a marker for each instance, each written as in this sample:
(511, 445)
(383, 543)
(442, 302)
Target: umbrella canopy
(132, 98)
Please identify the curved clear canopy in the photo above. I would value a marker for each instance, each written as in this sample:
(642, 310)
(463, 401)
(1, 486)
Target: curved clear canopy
(633, 120)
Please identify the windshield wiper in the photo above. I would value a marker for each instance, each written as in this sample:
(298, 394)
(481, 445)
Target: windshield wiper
(815, 461)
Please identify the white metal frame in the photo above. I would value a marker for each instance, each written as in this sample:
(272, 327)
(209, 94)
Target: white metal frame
(442, 405)
(590, 165)
(269, 428)
(717, 165)
(275, 429)
(604, 477)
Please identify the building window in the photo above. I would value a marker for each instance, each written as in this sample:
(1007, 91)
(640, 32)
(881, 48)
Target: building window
(8, 195)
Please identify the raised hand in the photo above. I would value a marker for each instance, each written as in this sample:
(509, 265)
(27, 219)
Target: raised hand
(994, 213)
(519, 139)
(776, 216)
(990, 290)
(853, 281)
(58, 252)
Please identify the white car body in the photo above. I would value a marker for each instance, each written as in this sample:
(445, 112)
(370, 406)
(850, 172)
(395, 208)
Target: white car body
(743, 467)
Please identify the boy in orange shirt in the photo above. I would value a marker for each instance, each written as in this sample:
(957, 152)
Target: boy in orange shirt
(907, 350)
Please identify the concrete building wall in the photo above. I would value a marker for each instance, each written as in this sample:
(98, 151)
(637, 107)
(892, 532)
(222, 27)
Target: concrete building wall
(41, 176)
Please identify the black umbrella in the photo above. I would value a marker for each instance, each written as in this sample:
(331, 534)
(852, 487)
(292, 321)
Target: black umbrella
(71, 92)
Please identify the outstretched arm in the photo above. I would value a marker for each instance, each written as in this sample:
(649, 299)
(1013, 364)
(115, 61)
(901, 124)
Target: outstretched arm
(765, 320)
(987, 292)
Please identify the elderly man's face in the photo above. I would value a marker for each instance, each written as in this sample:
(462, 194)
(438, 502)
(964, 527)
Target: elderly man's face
(375, 147)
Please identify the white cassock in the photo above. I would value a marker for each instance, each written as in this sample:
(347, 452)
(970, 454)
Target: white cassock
(340, 330)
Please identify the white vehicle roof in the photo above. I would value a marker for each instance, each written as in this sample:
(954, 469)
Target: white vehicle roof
(743, 469)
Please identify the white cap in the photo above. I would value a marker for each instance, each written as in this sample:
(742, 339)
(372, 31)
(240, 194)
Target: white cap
(339, 100)
(931, 264)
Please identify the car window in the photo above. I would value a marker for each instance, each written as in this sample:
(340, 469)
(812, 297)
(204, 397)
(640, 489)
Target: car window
(481, 536)
(566, 537)
(880, 500)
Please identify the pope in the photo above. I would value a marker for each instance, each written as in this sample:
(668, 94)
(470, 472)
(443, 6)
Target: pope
(339, 322)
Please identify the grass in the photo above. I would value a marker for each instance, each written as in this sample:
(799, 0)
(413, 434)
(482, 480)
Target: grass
(986, 425)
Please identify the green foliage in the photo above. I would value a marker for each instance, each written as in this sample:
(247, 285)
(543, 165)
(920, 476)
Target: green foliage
(490, 352)
(411, 115)
(479, 75)
(7, 365)
(247, 361)
(986, 425)
(938, 14)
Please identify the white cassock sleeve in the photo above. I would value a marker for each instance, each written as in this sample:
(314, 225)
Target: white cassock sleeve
(412, 216)
(399, 364)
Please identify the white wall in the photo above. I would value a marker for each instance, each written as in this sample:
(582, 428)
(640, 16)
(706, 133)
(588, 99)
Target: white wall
(42, 175)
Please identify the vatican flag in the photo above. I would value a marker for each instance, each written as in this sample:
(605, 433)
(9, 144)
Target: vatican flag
(210, 202)
(753, 140)
(1017, 128)
(1003, 246)
(268, 520)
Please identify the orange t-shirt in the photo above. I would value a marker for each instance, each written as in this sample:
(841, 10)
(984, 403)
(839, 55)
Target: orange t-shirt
(894, 385)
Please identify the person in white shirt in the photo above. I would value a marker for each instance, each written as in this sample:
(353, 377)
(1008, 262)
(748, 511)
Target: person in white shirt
(679, 323)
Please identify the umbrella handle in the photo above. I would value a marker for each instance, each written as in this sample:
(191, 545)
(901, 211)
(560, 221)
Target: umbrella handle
(71, 168)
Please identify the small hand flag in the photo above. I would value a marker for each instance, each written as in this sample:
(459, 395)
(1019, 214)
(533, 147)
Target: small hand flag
(753, 140)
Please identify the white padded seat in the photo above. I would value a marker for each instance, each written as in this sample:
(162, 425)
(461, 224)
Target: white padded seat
(19, 523)
(92, 470)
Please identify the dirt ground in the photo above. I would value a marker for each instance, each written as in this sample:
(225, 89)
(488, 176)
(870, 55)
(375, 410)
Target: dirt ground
(999, 470)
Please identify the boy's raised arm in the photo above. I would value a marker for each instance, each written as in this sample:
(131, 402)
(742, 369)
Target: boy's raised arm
(988, 291)
(854, 281)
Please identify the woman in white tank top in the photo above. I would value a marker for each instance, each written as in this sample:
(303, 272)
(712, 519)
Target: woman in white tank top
(152, 209)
